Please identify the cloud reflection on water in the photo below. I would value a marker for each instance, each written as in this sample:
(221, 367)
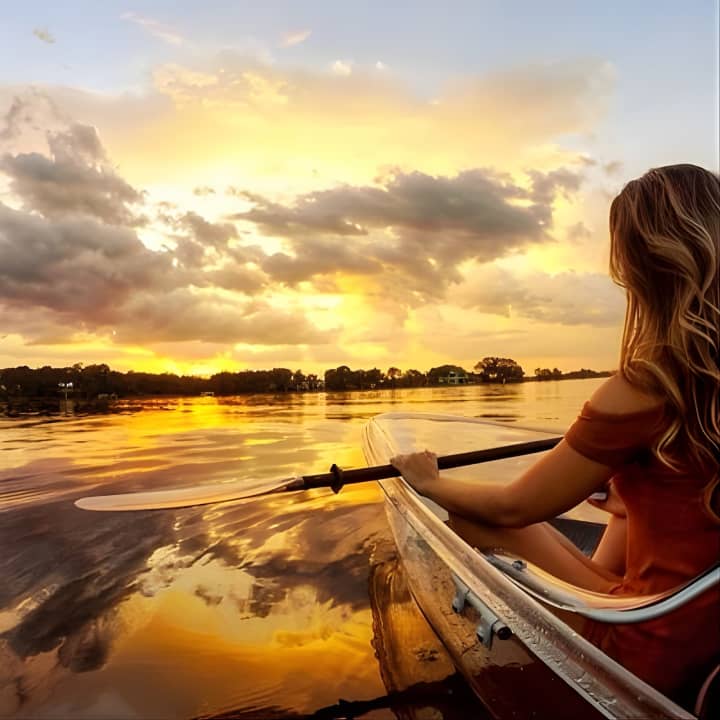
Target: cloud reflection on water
(78, 582)
(203, 610)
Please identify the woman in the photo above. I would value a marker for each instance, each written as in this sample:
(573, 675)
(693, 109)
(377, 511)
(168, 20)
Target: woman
(650, 435)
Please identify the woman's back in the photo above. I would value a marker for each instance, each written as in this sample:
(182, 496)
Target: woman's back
(672, 537)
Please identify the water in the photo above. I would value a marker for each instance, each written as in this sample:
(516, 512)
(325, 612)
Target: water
(263, 608)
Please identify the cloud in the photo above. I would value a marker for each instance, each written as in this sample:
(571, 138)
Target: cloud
(257, 89)
(77, 267)
(546, 185)
(304, 126)
(235, 277)
(176, 80)
(76, 275)
(552, 96)
(208, 234)
(44, 35)
(342, 67)
(419, 227)
(155, 28)
(14, 119)
(478, 203)
(566, 298)
(71, 261)
(613, 167)
(74, 179)
(317, 257)
(295, 37)
(264, 91)
(29, 110)
(364, 243)
(206, 247)
(184, 314)
(578, 232)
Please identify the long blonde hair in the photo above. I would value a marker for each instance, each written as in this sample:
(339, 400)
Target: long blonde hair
(665, 251)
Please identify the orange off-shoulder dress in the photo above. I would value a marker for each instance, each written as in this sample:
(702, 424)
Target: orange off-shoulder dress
(671, 538)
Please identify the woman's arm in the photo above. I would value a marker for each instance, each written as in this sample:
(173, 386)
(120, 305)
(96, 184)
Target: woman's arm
(557, 482)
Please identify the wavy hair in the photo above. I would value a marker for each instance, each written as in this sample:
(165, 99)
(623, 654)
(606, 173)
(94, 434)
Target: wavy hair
(665, 252)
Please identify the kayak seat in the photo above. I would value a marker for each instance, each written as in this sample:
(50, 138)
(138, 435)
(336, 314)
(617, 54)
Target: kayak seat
(584, 535)
(614, 609)
(704, 703)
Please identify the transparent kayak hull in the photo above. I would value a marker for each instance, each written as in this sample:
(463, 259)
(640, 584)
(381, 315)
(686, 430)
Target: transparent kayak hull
(521, 660)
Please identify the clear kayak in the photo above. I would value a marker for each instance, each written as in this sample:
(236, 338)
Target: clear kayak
(497, 619)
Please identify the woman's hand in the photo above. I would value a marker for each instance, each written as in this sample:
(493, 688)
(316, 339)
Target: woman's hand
(419, 469)
(612, 504)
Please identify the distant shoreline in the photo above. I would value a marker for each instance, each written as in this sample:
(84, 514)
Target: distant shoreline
(53, 406)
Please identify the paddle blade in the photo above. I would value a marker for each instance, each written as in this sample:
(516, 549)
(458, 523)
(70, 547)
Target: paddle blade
(182, 497)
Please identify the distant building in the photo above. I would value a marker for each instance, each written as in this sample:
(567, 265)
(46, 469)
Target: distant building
(454, 378)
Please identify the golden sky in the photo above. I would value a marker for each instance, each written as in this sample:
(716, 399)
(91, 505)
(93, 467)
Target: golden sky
(221, 209)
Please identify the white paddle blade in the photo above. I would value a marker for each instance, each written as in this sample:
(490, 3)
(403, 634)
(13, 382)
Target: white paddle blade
(180, 497)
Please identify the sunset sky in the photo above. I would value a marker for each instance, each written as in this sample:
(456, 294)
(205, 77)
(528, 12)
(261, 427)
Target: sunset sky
(200, 186)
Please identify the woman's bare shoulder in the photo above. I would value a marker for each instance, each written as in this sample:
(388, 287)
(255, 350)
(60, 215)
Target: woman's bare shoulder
(617, 395)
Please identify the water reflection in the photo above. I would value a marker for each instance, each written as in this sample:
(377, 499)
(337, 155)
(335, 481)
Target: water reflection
(273, 606)
(225, 585)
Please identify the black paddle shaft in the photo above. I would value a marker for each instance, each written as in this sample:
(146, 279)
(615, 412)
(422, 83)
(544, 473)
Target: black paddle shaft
(337, 477)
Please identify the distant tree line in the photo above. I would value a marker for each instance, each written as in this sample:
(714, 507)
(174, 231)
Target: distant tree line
(555, 374)
(90, 382)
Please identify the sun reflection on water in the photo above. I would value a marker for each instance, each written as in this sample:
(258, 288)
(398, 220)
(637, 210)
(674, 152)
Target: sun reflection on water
(263, 604)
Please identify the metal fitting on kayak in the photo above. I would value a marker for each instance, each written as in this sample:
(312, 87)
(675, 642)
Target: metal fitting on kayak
(490, 626)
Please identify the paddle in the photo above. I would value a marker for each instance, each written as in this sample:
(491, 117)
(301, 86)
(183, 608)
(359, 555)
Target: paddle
(335, 479)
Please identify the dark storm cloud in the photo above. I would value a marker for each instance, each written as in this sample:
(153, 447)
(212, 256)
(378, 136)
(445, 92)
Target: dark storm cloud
(74, 180)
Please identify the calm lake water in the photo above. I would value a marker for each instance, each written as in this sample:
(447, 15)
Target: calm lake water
(255, 610)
